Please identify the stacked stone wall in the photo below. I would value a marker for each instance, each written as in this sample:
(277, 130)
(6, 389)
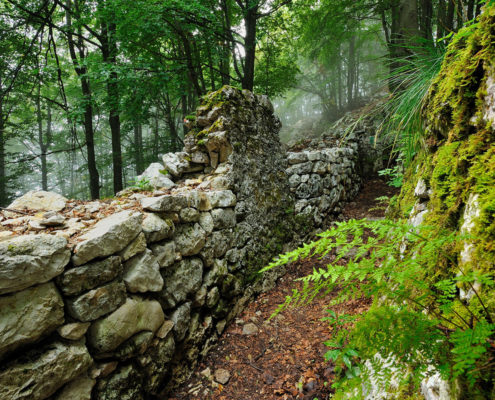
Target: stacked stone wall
(321, 181)
(119, 299)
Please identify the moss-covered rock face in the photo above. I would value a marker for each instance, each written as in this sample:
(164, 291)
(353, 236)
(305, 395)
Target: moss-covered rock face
(456, 104)
(458, 161)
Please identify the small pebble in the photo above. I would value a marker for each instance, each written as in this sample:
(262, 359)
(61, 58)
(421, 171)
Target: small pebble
(222, 376)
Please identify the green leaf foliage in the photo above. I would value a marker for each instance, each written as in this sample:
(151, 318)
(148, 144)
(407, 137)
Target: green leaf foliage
(416, 318)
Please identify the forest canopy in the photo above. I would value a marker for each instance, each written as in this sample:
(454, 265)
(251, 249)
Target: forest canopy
(92, 91)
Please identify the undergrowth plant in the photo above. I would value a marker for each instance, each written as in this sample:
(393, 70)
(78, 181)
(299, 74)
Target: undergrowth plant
(403, 121)
(416, 322)
(142, 184)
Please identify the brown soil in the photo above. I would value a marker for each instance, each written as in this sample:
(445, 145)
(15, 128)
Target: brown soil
(285, 358)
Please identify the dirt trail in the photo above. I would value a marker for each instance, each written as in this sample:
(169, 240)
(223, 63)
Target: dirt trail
(283, 358)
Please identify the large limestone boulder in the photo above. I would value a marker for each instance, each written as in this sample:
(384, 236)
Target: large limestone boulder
(37, 201)
(134, 316)
(108, 236)
(31, 259)
(29, 315)
(41, 372)
(142, 273)
(88, 276)
(157, 176)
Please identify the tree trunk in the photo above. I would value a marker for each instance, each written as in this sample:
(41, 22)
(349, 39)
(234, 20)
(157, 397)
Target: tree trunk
(94, 176)
(351, 73)
(426, 20)
(81, 71)
(226, 46)
(3, 178)
(197, 65)
(109, 53)
(403, 36)
(212, 72)
(138, 148)
(39, 118)
(156, 136)
(174, 138)
(449, 20)
(250, 20)
(339, 78)
(441, 17)
(188, 55)
(470, 9)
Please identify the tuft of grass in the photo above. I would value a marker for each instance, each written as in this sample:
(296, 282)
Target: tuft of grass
(412, 81)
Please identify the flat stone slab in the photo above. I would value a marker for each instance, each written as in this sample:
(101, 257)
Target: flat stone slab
(29, 315)
(108, 236)
(37, 201)
(97, 302)
(88, 276)
(31, 259)
(40, 373)
(165, 203)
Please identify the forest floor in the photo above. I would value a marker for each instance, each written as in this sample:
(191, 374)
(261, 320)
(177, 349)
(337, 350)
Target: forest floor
(281, 358)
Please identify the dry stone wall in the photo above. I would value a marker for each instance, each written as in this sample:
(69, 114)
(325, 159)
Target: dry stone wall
(321, 181)
(119, 299)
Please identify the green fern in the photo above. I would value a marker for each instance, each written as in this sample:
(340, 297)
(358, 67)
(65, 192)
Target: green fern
(411, 276)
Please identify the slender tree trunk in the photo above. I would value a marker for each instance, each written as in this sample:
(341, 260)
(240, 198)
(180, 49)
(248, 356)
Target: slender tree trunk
(426, 19)
(156, 136)
(470, 9)
(81, 71)
(138, 148)
(188, 55)
(351, 73)
(478, 9)
(197, 64)
(94, 176)
(450, 18)
(404, 32)
(39, 118)
(109, 53)
(250, 20)
(183, 102)
(441, 18)
(226, 46)
(212, 72)
(3, 178)
(174, 137)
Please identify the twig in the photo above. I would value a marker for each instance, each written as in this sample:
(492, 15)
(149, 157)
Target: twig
(254, 366)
